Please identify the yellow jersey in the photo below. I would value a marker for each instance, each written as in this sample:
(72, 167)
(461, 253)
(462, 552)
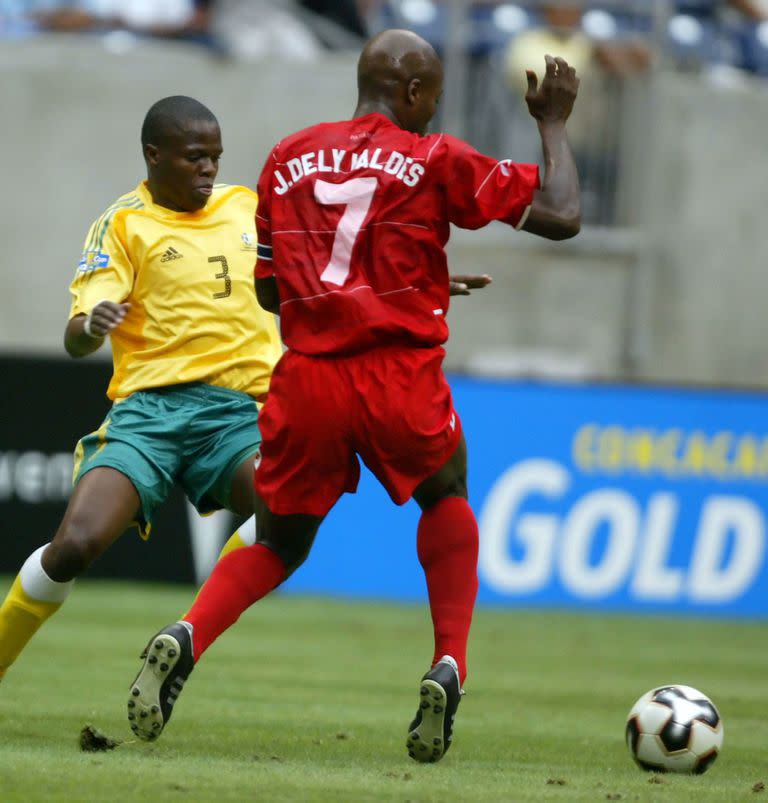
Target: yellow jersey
(188, 277)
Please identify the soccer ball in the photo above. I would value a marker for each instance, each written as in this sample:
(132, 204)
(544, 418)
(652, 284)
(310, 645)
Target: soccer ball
(674, 729)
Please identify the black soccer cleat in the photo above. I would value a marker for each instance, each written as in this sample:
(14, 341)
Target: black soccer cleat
(168, 662)
(431, 732)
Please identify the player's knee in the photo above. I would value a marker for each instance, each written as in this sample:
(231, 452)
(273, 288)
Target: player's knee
(293, 562)
(292, 553)
(428, 497)
(292, 548)
(457, 487)
(71, 553)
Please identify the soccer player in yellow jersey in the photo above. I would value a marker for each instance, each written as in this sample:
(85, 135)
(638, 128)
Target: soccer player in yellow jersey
(167, 274)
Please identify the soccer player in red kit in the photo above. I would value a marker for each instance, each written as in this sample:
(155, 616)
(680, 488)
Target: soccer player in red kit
(352, 221)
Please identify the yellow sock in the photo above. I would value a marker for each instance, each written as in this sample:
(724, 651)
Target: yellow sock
(20, 617)
(235, 542)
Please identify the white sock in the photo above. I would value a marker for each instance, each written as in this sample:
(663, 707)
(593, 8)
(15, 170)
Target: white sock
(36, 582)
(451, 661)
(247, 531)
(189, 628)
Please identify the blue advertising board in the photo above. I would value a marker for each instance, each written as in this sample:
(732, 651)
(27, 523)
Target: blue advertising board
(599, 497)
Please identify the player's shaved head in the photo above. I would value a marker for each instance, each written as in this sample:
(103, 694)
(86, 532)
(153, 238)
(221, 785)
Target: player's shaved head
(173, 115)
(402, 72)
(393, 58)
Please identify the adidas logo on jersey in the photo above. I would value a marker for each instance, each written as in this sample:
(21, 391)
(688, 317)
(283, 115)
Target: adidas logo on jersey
(170, 254)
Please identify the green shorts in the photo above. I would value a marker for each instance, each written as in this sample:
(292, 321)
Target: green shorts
(196, 435)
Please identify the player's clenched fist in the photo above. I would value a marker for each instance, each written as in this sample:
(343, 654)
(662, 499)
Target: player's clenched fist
(552, 100)
(104, 317)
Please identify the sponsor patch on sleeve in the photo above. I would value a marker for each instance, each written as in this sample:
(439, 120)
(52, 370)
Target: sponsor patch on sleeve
(92, 260)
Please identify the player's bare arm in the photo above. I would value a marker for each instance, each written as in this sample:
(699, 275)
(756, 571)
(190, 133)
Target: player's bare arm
(267, 294)
(85, 333)
(556, 209)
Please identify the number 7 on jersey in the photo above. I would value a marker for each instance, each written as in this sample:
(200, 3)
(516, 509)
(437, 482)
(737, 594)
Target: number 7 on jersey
(356, 195)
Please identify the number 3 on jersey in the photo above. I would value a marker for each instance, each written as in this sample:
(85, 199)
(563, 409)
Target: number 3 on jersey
(356, 195)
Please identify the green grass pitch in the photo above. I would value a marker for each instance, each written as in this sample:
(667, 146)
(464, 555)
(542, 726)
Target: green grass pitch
(309, 700)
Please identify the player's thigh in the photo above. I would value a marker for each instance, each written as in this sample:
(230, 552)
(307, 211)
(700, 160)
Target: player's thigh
(223, 440)
(243, 499)
(409, 429)
(307, 460)
(102, 507)
(139, 440)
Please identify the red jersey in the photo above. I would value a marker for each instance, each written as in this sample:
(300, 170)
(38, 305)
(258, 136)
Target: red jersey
(352, 221)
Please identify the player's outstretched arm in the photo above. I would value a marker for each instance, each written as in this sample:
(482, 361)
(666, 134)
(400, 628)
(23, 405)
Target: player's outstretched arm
(556, 208)
(85, 333)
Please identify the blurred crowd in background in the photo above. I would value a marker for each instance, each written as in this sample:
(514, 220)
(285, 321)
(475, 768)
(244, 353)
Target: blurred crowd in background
(240, 29)
(487, 47)
(698, 32)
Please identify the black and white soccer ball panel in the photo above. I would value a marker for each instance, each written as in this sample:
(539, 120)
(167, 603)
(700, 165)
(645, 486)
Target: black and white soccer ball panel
(674, 728)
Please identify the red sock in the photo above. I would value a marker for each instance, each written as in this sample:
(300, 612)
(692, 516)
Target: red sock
(237, 581)
(447, 545)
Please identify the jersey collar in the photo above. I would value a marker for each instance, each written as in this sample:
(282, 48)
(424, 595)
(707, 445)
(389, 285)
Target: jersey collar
(162, 211)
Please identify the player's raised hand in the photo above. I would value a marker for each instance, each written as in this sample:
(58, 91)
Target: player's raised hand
(463, 285)
(104, 317)
(552, 100)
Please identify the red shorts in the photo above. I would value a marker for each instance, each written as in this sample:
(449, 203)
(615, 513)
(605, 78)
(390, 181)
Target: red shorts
(391, 406)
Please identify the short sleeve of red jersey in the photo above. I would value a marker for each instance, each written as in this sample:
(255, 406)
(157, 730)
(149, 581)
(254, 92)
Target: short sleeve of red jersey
(480, 189)
(263, 220)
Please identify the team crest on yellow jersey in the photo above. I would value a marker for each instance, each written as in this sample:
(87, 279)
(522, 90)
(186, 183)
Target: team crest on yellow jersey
(249, 241)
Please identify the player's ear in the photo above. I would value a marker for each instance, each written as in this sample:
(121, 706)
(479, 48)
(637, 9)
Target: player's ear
(152, 154)
(413, 91)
